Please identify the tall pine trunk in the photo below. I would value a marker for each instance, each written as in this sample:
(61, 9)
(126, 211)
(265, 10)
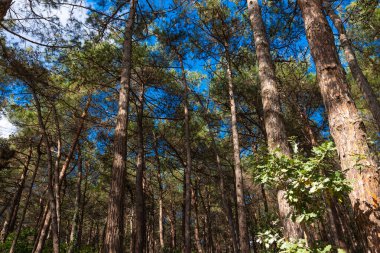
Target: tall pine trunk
(273, 120)
(140, 198)
(357, 73)
(239, 185)
(52, 201)
(73, 243)
(113, 242)
(346, 126)
(160, 196)
(187, 193)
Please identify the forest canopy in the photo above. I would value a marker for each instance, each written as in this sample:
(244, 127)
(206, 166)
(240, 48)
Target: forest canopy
(189, 126)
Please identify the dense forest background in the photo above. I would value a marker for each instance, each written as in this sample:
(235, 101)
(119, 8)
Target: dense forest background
(189, 126)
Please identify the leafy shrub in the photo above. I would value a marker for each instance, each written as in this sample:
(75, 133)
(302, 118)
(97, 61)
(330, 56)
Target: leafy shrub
(306, 180)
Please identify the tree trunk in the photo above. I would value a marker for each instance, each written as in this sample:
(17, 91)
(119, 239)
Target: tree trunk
(42, 233)
(225, 201)
(357, 73)
(160, 200)
(73, 244)
(4, 7)
(52, 202)
(140, 198)
(187, 193)
(196, 225)
(239, 185)
(273, 120)
(113, 242)
(14, 242)
(346, 126)
(11, 213)
(56, 169)
(173, 233)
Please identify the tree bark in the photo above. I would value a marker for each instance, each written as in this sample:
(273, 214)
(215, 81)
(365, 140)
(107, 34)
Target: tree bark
(346, 126)
(357, 73)
(42, 233)
(73, 243)
(225, 201)
(273, 120)
(196, 225)
(17, 234)
(239, 184)
(187, 193)
(52, 202)
(11, 213)
(4, 7)
(113, 242)
(160, 200)
(140, 196)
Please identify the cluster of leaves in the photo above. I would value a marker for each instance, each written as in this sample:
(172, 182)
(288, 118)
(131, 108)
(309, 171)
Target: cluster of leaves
(300, 246)
(307, 181)
(273, 242)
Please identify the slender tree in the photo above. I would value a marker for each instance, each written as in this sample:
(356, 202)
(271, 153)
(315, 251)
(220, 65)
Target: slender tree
(114, 232)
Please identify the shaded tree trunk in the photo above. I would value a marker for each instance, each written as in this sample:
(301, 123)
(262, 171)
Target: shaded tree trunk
(225, 200)
(17, 234)
(82, 207)
(160, 200)
(42, 232)
(196, 224)
(173, 232)
(73, 243)
(273, 120)
(52, 202)
(187, 193)
(357, 73)
(140, 197)
(113, 242)
(4, 7)
(346, 126)
(11, 213)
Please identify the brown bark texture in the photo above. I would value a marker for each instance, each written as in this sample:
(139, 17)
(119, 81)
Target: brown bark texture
(346, 126)
(361, 80)
(239, 184)
(113, 242)
(140, 164)
(273, 120)
(187, 194)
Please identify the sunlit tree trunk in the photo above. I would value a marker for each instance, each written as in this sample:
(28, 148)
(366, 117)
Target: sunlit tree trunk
(346, 126)
(113, 242)
(273, 120)
(239, 185)
(357, 73)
